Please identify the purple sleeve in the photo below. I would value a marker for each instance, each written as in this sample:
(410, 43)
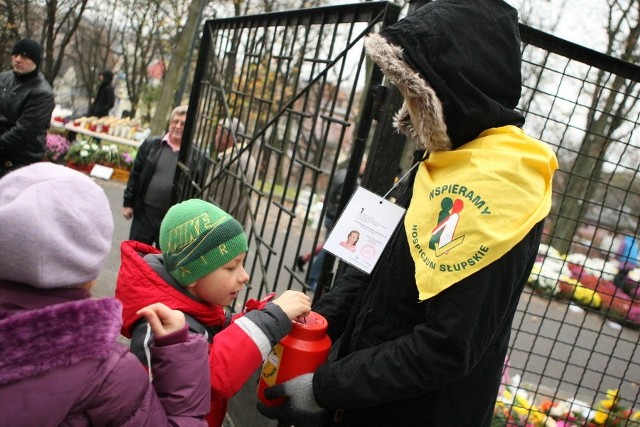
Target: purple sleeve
(181, 377)
(180, 394)
(177, 337)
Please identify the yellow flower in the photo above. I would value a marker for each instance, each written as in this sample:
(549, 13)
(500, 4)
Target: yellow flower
(601, 417)
(522, 401)
(586, 296)
(539, 418)
(520, 411)
(521, 405)
(611, 400)
(613, 394)
(508, 396)
(535, 272)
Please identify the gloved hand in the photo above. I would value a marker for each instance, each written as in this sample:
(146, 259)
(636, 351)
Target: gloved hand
(299, 408)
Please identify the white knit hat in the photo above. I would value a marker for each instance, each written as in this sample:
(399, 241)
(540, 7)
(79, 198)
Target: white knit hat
(56, 227)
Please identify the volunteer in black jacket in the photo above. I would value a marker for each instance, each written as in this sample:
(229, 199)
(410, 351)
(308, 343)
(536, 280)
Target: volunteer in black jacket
(26, 104)
(424, 337)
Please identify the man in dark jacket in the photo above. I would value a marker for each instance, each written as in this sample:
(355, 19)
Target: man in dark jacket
(105, 97)
(26, 104)
(147, 197)
(423, 338)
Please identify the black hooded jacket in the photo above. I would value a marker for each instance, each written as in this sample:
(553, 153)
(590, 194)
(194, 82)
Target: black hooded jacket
(466, 51)
(105, 97)
(438, 362)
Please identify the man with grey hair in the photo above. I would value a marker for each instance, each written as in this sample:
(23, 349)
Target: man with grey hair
(233, 167)
(147, 197)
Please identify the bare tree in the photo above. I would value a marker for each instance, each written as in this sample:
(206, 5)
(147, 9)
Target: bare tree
(181, 56)
(9, 30)
(52, 23)
(92, 49)
(138, 36)
(610, 104)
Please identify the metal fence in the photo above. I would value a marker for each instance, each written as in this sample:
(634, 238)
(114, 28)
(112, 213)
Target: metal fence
(307, 102)
(575, 336)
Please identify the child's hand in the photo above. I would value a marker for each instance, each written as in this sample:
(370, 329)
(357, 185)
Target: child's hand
(162, 319)
(294, 304)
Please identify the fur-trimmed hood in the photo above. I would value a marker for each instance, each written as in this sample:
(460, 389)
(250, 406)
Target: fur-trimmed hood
(457, 64)
(37, 341)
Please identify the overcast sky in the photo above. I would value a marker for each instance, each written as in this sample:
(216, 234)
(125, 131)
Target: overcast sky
(581, 21)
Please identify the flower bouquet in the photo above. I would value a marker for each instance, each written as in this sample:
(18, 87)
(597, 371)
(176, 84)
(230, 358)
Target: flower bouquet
(82, 156)
(515, 407)
(127, 159)
(122, 163)
(588, 282)
(56, 146)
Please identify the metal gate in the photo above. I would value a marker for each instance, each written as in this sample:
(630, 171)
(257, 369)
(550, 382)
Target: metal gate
(306, 100)
(290, 93)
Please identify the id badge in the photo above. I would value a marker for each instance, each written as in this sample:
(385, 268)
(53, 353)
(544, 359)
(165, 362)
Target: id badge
(363, 229)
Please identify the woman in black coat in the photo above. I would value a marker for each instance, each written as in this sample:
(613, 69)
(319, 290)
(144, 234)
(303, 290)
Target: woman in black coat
(105, 98)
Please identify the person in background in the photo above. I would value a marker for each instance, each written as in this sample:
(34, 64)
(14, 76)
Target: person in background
(60, 362)
(628, 259)
(200, 272)
(26, 104)
(105, 97)
(231, 170)
(147, 196)
(430, 326)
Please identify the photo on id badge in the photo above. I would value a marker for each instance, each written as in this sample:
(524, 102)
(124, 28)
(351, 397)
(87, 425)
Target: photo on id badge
(363, 229)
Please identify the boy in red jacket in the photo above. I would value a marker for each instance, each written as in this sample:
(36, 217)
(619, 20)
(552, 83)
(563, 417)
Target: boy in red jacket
(200, 271)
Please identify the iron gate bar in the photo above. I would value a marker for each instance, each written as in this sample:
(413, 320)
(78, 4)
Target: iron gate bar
(579, 53)
(286, 108)
(243, 46)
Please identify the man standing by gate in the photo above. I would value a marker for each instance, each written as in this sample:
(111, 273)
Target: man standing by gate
(423, 338)
(147, 197)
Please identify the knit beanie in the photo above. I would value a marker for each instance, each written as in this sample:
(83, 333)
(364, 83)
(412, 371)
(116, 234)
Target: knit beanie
(196, 238)
(56, 227)
(29, 48)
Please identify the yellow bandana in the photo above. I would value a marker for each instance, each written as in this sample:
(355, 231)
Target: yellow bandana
(471, 205)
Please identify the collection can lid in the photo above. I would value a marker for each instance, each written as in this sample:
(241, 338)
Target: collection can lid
(312, 327)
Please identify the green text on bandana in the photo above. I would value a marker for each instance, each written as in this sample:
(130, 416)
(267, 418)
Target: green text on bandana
(471, 205)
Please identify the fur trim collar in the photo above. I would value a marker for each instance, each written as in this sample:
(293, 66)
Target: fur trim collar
(421, 117)
(35, 342)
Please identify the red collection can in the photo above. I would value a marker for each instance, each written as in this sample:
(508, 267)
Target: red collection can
(304, 349)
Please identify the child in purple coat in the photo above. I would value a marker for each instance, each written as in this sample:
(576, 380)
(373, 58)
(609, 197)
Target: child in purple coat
(60, 363)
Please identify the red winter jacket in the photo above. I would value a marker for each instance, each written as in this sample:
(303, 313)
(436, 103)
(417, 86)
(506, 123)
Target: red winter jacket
(236, 351)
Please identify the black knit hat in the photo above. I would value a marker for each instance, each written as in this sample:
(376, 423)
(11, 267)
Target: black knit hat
(29, 48)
